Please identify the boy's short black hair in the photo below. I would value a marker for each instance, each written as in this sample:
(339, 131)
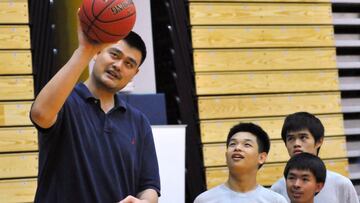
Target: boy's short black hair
(134, 40)
(308, 162)
(262, 137)
(303, 121)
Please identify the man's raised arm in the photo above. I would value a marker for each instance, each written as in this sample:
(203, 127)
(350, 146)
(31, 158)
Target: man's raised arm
(52, 97)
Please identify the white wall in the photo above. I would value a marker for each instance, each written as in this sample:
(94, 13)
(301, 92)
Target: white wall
(170, 149)
(144, 81)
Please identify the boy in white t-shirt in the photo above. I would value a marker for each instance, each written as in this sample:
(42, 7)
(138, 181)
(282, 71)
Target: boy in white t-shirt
(303, 132)
(247, 149)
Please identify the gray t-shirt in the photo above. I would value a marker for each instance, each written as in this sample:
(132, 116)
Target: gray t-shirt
(223, 194)
(337, 189)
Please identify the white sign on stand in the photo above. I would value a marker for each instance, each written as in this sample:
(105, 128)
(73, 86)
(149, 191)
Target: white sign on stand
(170, 148)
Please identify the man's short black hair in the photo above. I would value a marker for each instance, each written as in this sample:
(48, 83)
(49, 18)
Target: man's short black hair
(303, 121)
(307, 162)
(262, 137)
(134, 40)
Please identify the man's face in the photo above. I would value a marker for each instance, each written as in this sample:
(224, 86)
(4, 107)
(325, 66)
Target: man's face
(116, 66)
(243, 152)
(301, 141)
(301, 186)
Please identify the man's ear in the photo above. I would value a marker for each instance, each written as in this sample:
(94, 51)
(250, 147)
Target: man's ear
(262, 157)
(319, 143)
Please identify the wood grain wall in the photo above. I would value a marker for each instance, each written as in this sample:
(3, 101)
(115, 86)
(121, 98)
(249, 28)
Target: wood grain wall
(258, 61)
(18, 138)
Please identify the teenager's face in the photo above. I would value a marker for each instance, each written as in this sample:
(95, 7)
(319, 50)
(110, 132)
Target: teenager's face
(301, 141)
(243, 152)
(301, 186)
(115, 66)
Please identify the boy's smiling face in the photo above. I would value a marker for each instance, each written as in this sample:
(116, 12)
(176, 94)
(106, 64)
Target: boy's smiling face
(301, 186)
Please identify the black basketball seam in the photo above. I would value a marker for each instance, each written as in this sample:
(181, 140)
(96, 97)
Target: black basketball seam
(96, 16)
(108, 32)
(81, 21)
(87, 33)
(86, 15)
(92, 9)
(118, 19)
(98, 38)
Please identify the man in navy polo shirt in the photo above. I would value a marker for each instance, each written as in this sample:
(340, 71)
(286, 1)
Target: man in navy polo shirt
(94, 147)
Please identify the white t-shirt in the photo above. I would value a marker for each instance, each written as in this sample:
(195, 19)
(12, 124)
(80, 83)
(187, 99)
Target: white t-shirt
(337, 189)
(223, 194)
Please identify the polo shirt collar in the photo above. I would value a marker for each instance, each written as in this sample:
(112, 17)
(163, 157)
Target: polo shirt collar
(119, 103)
(85, 93)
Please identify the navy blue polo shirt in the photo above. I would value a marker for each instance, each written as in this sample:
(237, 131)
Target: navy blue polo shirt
(92, 156)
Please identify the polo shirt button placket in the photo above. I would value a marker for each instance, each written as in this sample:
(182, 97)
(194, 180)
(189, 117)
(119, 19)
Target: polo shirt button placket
(97, 102)
(107, 125)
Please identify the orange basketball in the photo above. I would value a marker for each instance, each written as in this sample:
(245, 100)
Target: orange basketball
(107, 20)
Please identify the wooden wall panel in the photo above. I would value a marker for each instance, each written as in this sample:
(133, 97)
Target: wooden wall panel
(18, 139)
(256, 51)
(217, 130)
(20, 190)
(267, 105)
(14, 37)
(14, 12)
(214, 154)
(16, 87)
(15, 62)
(270, 173)
(18, 165)
(262, 36)
(264, 59)
(15, 113)
(259, 13)
(266, 82)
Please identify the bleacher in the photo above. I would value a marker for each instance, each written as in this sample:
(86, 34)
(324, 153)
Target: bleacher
(258, 61)
(18, 139)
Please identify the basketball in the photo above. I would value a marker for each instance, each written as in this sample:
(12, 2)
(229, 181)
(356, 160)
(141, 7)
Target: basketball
(107, 20)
